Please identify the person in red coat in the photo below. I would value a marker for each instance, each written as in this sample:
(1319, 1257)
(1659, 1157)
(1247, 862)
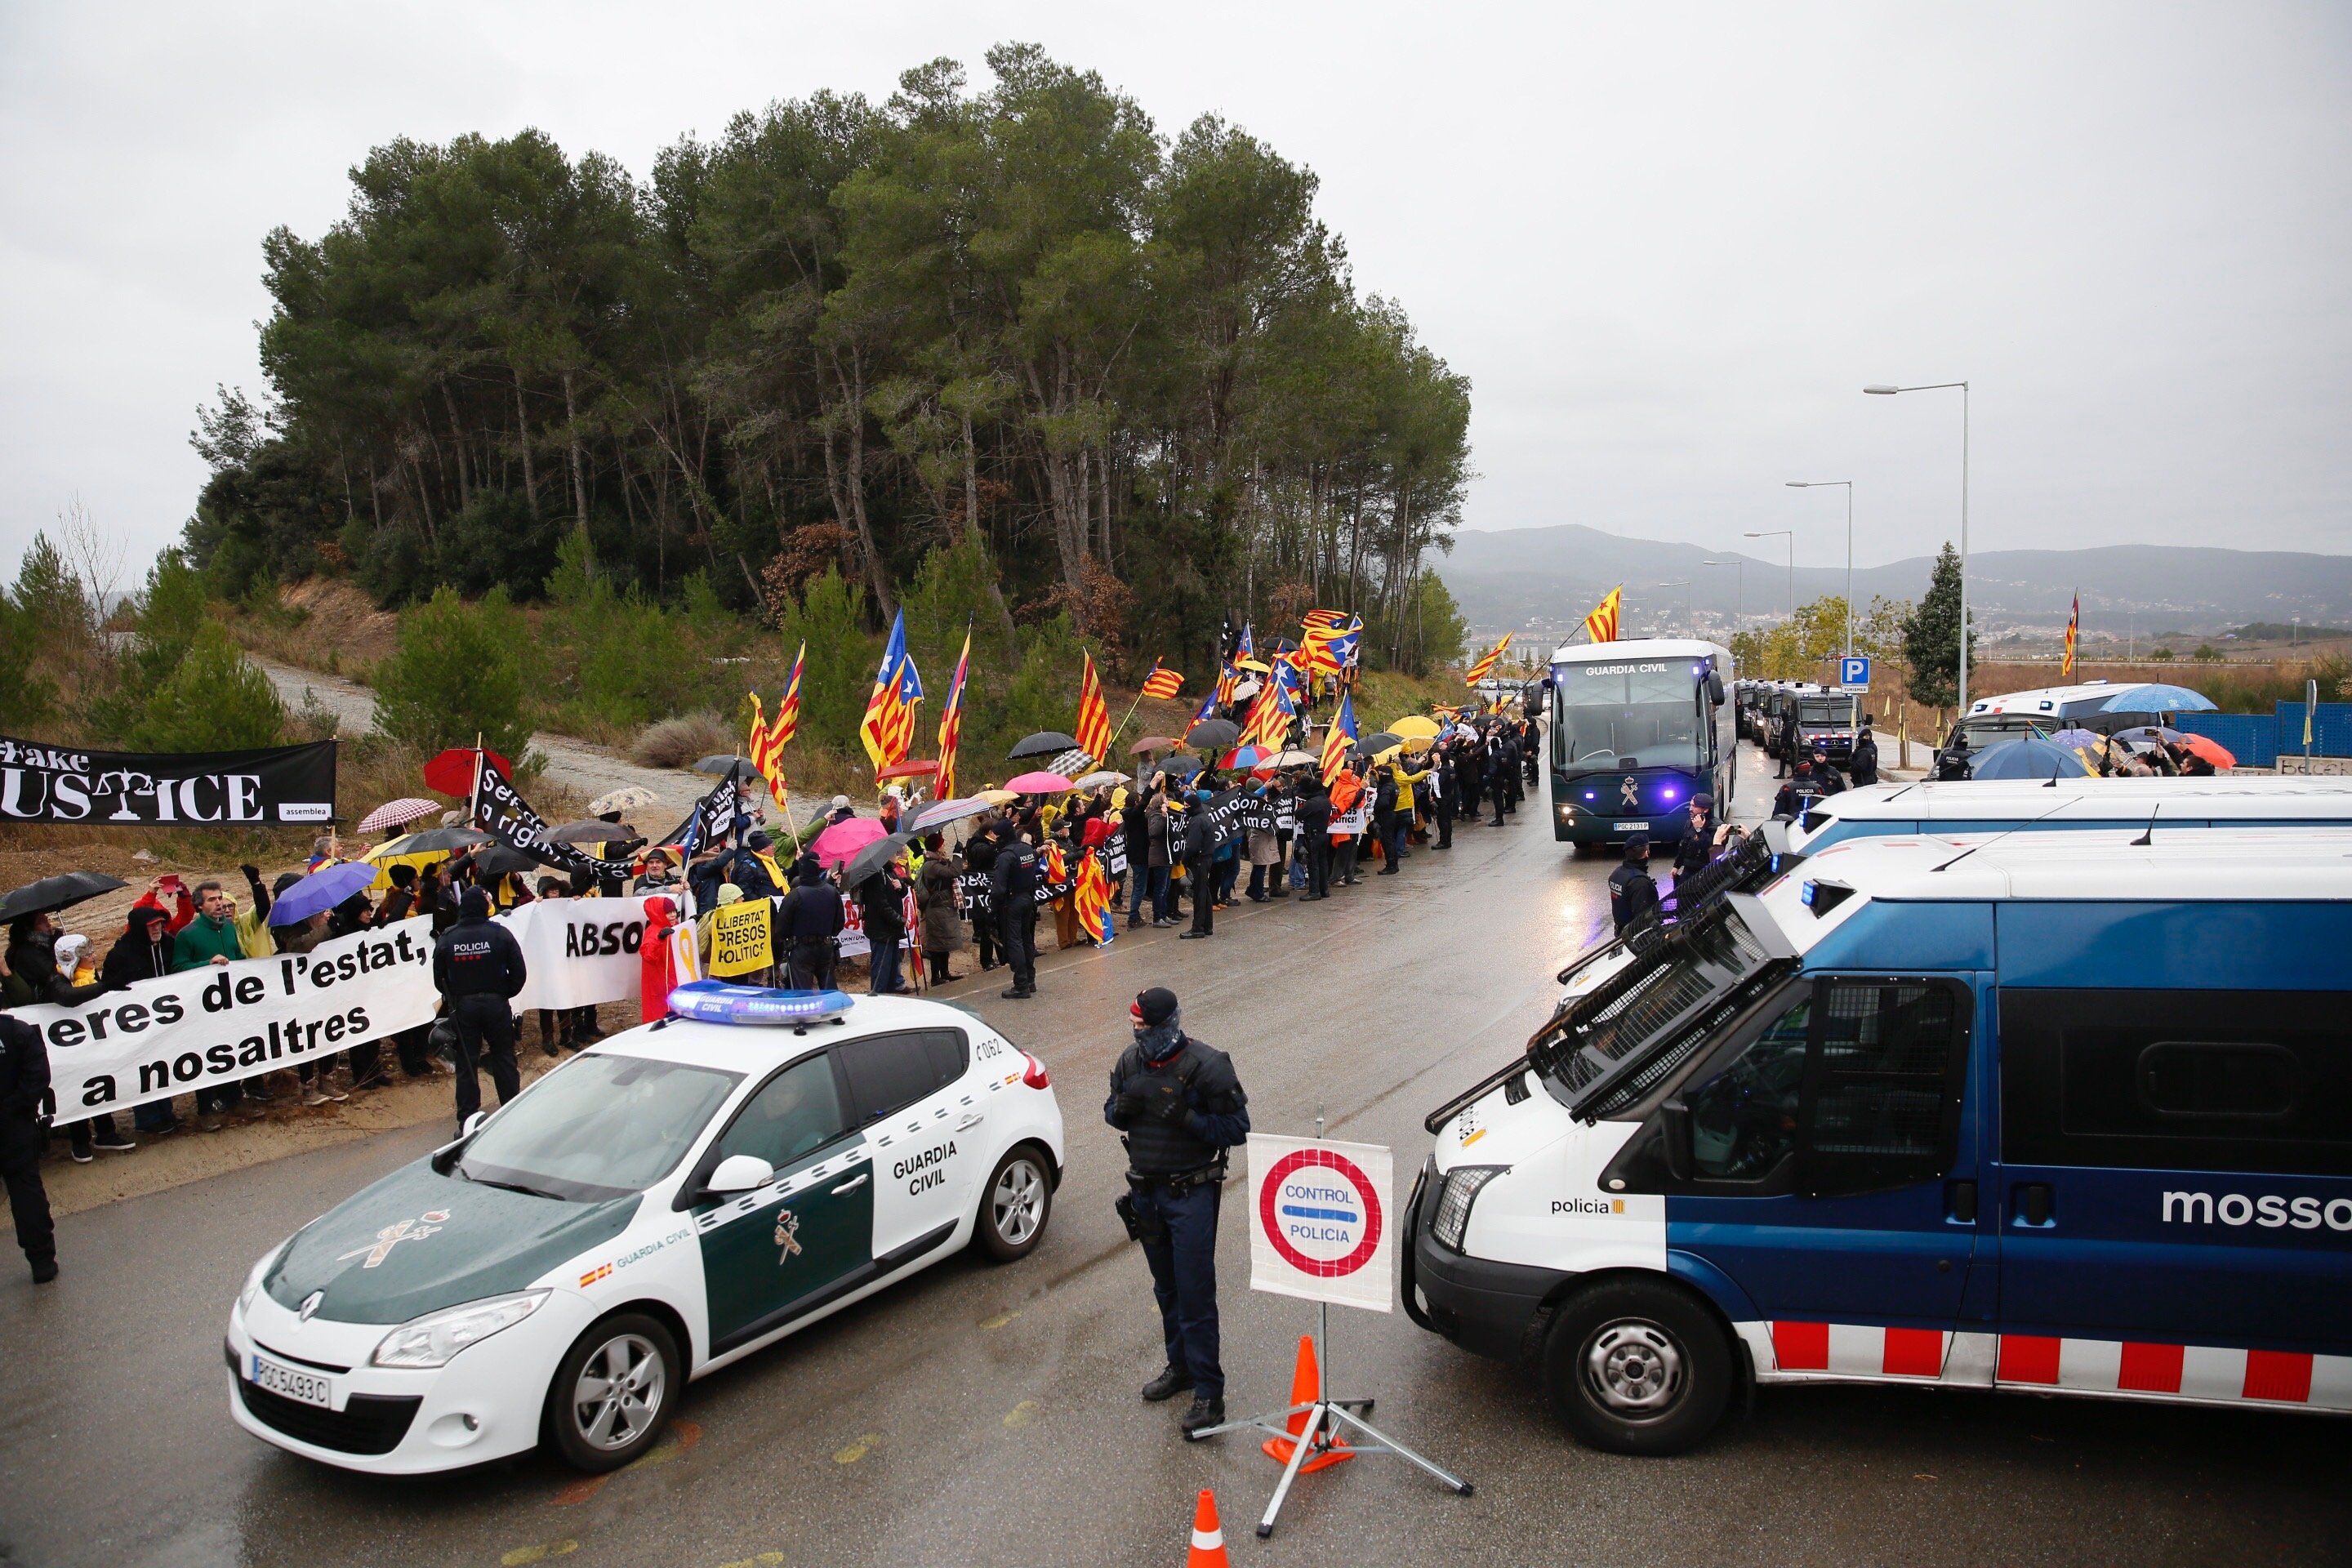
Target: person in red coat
(659, 956)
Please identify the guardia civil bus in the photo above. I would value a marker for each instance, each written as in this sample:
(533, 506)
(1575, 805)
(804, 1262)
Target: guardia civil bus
(1637, 728)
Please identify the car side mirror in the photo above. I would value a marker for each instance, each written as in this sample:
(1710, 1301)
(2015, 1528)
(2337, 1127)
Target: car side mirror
(473, 1124)
(739, 1173)
(1715, 686)
(1675, 1136)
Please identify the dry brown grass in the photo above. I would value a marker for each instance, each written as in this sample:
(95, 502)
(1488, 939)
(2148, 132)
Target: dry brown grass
(676, 743)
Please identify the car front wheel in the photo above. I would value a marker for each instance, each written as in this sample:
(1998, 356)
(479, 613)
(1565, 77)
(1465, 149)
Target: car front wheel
(1637, 1368)
(1014, 1207)
(613, 1392)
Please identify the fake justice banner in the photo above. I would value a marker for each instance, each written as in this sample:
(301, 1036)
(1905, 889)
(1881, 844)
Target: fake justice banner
(204, 1027)
(283, 784)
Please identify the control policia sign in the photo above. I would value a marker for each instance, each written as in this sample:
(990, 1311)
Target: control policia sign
(1322, 1227)
(281, 785)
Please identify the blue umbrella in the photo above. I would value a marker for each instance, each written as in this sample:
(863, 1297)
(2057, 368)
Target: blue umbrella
(322, 890)
(2031, 758)
(2157, 697)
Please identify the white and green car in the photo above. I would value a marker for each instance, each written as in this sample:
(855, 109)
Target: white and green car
(671, 1200)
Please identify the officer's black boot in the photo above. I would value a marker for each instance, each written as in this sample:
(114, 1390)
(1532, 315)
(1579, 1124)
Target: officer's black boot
(1168, 1384)
(1204, 1413)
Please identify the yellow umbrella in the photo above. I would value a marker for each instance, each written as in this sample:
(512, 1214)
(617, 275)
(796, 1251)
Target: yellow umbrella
(1250, 664)
(998, 796)
(1387, 753)
(1414, 726)
(389, 853)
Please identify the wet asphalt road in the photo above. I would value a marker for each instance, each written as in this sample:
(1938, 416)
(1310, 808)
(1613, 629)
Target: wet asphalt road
(979, 1415)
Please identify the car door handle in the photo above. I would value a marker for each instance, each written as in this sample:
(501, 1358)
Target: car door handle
(851, 1184)
(970, 1122)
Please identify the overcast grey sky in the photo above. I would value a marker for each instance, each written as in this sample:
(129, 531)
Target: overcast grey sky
(1668, 244)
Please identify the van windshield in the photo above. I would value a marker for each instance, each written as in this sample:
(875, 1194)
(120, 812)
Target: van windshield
(1826, 710)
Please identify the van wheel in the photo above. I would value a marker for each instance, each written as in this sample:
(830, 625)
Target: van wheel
(613, 1392)
(1637, 1368)
(1015, 1204)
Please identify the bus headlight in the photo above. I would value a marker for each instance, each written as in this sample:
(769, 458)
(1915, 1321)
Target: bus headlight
(1456, 1192)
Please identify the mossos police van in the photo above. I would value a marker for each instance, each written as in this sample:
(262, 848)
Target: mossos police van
(667, 1202)
(2065, 1113)
(1977, 807)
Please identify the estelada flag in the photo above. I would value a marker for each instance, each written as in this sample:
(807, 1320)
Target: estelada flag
(1161, 683)
(1090, 901)
(880, 728)
(1208, 710)
(1485, 665)
(2074, 633)
(951, 722)
(1227, 679)
(1341, 737)
(1093, 728)
(1600, 625)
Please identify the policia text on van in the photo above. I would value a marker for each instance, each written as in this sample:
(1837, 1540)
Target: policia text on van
(2060, 1113)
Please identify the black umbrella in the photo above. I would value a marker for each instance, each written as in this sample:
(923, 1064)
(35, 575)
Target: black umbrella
(592, 833)
(500, 858)
(436, 840)
(873, 858)
(1043, 744)
(1375, 743)
(1213, 735)
(53, 893)
(1177, 767)
(728, 767)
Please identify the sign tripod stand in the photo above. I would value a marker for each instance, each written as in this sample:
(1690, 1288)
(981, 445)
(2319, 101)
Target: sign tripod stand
(1321, 1440)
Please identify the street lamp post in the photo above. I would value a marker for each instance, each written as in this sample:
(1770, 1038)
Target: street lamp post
(1791, 535)
(1832, 484)
(1739, 588)
(1681, 582)
(1877, 390)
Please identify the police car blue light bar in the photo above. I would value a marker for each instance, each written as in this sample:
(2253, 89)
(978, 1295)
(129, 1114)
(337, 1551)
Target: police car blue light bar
(716, 1002)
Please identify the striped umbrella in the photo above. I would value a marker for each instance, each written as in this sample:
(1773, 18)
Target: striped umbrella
(398, 814)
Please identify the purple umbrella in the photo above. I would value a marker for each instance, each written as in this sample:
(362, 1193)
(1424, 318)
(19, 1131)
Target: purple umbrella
(322, 890)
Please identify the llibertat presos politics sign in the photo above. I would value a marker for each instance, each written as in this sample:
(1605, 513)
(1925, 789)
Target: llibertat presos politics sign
(204, 1027)
(1321, 1225)
(279, 786)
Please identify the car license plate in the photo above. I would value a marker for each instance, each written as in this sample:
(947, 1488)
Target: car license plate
(1636, 825)
(293, 1383)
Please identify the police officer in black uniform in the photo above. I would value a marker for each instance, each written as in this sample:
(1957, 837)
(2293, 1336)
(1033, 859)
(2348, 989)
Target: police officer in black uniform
(1180, 1107)
(1631, 893)
(809, 922)
(1013, 888)
(477, 968)
(1698, 846)
(25, 1129)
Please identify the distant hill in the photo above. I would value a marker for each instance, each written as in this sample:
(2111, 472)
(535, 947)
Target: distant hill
(1547, 578)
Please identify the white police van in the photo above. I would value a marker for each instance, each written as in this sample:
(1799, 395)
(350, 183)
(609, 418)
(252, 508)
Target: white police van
(1977, 807)
(2065, 1113)
(669, 1200)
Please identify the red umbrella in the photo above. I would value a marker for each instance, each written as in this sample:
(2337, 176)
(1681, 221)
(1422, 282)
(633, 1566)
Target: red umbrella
(1039, 783)
(1242, 757)
(452, 772)
(843, 840)
(909, 770)
(2211, 749)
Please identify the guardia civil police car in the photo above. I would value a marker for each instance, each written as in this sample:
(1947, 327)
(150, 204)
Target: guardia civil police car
(669, 1200)
(2066, 1113)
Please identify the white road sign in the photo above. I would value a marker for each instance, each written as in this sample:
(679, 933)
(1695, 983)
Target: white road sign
(1323, 1227)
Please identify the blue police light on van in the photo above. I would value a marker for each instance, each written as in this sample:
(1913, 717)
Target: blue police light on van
(2055, 1112)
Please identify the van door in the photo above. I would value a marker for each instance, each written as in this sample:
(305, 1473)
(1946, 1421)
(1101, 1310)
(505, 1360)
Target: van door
(2176, 1192)
(781, 1249)
(1847, 1122)
(920, 1132)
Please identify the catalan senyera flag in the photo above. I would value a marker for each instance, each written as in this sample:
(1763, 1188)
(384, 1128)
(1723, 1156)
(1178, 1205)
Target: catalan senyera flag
(1486, 662)
(2074, 635)
(879, 728)
(1093, 728)
(766, 751)
(1057, 865)
(1090, 901)
(1162, 683)
(951, 722)
(1341, 736)
(1207, 711)
(1600, 625)
(787, 706)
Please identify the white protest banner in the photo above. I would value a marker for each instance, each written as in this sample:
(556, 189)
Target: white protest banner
(1321, 1225)
(204, 1027)
(576, 951)
(1347, 825)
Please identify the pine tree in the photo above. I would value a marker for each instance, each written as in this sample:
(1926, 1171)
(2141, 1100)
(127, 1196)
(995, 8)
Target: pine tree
(1931, 636)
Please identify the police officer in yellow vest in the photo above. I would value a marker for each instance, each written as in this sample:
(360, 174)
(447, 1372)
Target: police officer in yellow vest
(736, 939)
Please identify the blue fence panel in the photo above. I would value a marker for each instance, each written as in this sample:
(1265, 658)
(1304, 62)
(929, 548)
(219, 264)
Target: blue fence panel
(2331, 729)
(2252, 738)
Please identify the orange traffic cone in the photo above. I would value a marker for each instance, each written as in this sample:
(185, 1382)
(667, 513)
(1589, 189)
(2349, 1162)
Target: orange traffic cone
(1207, 1537)
(1306, 1388)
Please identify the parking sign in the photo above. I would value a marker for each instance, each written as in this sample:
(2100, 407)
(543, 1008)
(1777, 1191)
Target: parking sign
(1853, 674)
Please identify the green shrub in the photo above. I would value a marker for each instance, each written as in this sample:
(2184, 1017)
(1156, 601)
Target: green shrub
(216, 700)
(458, 673)
(830, 616)
(26, 699)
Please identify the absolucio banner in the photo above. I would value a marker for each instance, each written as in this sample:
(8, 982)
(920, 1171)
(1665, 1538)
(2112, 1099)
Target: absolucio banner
(283, 785)
(156, 1039)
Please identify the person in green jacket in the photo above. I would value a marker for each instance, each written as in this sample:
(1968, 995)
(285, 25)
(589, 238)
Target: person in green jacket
(211, 938)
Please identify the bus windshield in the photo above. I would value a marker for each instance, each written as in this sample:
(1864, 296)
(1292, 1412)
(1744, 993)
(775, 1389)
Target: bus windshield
(1647, 711)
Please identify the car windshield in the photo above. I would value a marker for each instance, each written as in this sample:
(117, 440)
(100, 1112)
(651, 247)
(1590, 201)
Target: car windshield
(1826, 710)
(601, 1126)
(1647, 711)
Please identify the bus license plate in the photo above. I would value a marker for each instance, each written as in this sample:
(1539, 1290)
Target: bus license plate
(292, 1383)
